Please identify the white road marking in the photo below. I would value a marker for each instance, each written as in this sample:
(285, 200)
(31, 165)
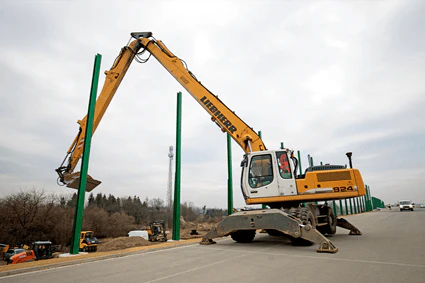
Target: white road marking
(329, 258)
(204, 266)
(72, 264)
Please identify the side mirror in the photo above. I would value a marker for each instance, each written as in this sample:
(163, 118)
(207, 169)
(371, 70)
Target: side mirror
(244, 162)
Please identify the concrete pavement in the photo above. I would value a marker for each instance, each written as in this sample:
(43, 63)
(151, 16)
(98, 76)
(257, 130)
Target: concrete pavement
(391, 249)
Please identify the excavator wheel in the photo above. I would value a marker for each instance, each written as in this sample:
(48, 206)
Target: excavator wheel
(330, 227)
(243, 236)
(306, 217)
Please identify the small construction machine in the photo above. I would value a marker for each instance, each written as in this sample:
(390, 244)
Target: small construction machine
(88, 242)
(39, 250)
(296, 202)
(156, 231)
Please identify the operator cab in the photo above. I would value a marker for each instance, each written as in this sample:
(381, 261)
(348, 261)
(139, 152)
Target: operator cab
(268, 173)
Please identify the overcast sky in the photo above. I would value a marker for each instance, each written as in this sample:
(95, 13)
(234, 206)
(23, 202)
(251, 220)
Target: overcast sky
(325, 78)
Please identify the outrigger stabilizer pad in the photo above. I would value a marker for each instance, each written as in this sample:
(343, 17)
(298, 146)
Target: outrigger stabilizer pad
(341, 222)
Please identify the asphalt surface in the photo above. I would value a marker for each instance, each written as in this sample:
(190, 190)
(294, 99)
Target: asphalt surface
(391, 249)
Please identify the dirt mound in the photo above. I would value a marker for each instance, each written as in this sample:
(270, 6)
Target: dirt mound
(122, 243)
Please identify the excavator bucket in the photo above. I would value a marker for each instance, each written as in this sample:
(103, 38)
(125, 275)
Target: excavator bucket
(73, 181)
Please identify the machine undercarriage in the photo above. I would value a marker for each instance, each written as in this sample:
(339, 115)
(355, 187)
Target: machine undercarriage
(303, 225)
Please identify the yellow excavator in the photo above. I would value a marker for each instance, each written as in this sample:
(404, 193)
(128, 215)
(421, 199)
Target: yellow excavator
(269, 177)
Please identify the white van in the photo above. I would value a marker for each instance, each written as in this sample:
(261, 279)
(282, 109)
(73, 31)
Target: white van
(405, 205)
(139, 233)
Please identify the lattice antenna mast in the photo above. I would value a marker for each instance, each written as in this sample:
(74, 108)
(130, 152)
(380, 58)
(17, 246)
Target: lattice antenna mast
(170, 180)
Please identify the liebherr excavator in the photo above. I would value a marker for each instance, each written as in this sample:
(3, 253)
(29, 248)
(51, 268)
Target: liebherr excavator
(269, 177)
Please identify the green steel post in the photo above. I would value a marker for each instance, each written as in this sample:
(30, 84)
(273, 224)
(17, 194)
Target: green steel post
(359, 200)
(358, 205)
(370, 198)
(351, 206)
(310, 161)
(334, 208)
(301, 170)
(364, 203)
(79, 209)
(263, 206)
(229, 176)
(340, 207)
(346, 207)
(176, 212)
(282, 146)
(299, 162)
(356, 202)
(366, 200)
(321, 163)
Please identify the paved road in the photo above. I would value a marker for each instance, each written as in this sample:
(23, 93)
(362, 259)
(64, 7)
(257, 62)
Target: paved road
(391, 249)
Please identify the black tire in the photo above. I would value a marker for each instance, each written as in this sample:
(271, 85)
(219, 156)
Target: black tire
(330, 227)
(243, 236)
(306, 216)
(293, 212)
(85, 249)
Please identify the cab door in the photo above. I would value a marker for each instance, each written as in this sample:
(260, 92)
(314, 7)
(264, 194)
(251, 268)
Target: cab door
(285, 176)
(259, 176)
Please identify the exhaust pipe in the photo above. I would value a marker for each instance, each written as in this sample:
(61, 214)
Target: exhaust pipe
(349, 154)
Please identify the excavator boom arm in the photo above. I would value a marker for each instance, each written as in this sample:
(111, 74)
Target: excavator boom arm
(227, 120)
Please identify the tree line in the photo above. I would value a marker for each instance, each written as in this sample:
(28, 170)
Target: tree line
(33, 215)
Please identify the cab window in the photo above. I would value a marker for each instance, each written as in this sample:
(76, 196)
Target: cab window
(283, 165)
(260, 171)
